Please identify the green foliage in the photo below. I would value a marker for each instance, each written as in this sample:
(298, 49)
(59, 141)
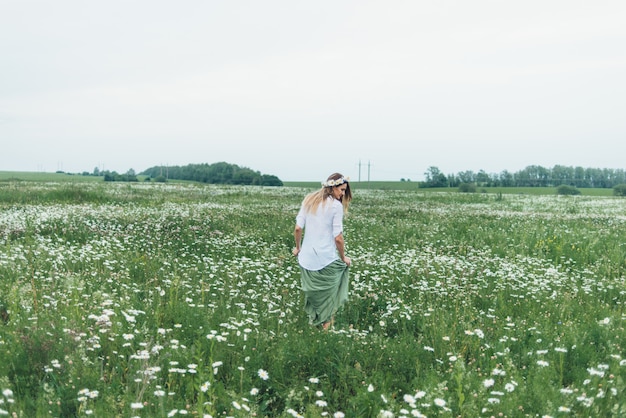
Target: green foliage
(566, 189)
(217, 173)
(467, 188)
(130, 176)
(619, 190)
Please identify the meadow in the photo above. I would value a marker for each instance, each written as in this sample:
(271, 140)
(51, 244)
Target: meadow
(163, 300)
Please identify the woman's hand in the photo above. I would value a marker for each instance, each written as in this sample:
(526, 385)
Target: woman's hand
(295, 252)
(347, 260)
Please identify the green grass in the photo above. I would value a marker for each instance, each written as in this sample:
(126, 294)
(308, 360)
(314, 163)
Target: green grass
(163, 299)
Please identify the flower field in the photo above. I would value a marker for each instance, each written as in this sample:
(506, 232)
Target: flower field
(144, 300)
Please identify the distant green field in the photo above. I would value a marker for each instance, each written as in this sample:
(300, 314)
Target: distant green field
(46, 177)
(373, 185)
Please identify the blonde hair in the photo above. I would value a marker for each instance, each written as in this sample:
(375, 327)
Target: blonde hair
(313, 200)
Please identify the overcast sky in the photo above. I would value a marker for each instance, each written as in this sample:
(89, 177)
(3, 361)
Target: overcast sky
(301, 89)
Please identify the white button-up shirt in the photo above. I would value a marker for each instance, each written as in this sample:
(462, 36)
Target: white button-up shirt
(320, 229)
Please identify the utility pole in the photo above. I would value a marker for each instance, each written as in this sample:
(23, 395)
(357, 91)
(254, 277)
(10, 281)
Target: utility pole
(368, 171)
(359, 170)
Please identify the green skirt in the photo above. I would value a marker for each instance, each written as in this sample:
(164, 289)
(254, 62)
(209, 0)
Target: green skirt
(325, 291)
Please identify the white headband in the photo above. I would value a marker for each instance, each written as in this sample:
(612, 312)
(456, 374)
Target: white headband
(332, 183)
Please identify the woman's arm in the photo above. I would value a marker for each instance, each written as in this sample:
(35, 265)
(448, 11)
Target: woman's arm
(341, 245)
(297, 235)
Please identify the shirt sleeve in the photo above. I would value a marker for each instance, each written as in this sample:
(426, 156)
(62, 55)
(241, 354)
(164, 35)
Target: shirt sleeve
(337, 219)
(300, 218)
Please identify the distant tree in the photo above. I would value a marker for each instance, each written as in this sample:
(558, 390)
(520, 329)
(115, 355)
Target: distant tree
(245, 176)
(217, 173)
(435, 178)
(269, 180)
(115, 176)
(467, 176)
(453, 181)
(96, 171)
(619, 190)
(507, 179)
(482, 178)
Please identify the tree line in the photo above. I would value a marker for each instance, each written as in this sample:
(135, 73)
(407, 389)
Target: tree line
(216, 173)
(531, 176)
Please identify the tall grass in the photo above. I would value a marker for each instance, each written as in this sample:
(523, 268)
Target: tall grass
(164, 300)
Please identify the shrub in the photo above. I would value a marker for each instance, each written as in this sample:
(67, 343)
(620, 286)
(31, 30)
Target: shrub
(566, 189)
(619, 190)
(467, 188)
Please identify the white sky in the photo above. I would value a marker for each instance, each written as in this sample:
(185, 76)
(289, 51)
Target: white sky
(301, 89)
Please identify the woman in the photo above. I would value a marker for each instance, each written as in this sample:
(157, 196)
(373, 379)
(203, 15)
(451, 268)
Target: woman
(321, 254)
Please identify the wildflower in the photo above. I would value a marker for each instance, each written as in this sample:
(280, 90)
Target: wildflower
(254, 391)
(498, 372)
(159, 393)
(236, 405)
(488, 383)
(564, 409)
(339, 415)
(263, 374)
(543, 363)
(136, 405)
(314, 380)
(595, 372)
(205, 386)
(8, 393)
(321, 403)
(370, 388)
(509, 387)
(319, 393)
(440, 402)
(427, 348)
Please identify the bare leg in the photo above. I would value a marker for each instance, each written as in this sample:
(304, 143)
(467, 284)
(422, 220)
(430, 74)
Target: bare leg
(328, 324)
